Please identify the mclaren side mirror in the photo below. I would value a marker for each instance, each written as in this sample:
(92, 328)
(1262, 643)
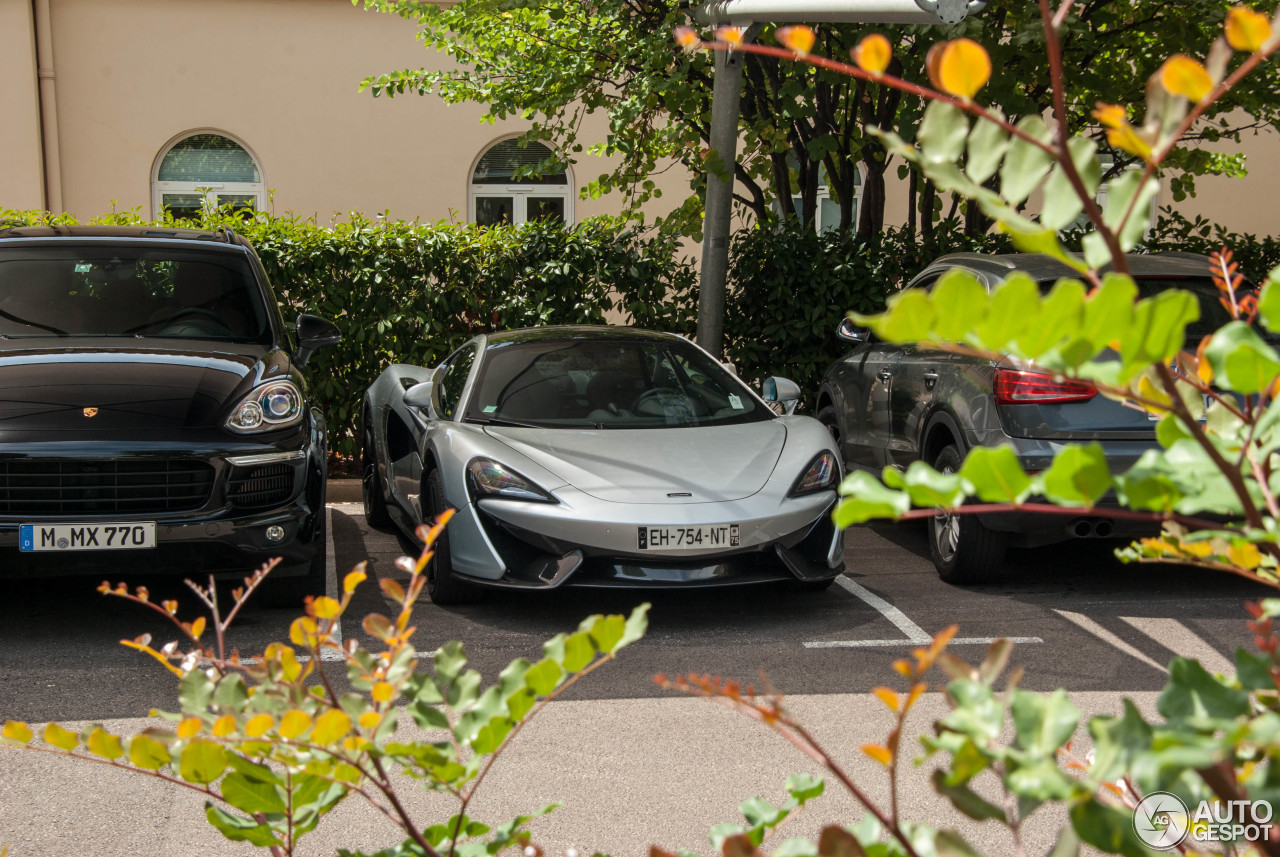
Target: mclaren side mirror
(850, 332)
(314, 332)
(782, 392)
(421, 397)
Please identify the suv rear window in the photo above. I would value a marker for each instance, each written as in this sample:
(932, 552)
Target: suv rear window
(129, 292)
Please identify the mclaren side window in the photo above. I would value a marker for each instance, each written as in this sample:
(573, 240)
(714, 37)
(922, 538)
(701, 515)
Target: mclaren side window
(135, 293)
(613, 384)
(453, 378)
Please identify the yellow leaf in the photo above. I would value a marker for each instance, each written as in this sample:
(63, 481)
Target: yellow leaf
(1149, 391)
(354, 744)
(382, 692)
(799, 39)
(326, 607)
(197, 627)
(1247, 30)
(1182, 75)
(903, 668)
(1245, 555)
(963, 68)
(732, 35)
(331, 726)
(103, 743)
(259, 725)
(16, 730)
(303, 631)
(63, 739)
(190, 727)
(879, 753)
(370, 720)
(224, 726)
(873, 53)
(888, 697)
(354, 578)
(916, 689)
(1197, 549)
(294, 723)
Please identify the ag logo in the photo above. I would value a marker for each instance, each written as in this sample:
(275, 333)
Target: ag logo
(1161, 820)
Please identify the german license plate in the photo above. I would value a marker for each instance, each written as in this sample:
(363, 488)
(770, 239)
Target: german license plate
(87, 537)
(689, 538)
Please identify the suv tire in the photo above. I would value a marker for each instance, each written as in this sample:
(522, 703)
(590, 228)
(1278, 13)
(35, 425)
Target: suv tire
(963, 550)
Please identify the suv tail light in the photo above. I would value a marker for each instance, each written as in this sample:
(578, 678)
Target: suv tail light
(1024, 387)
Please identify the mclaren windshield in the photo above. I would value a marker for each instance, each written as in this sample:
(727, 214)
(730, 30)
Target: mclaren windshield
(129, 292)
(607, 384)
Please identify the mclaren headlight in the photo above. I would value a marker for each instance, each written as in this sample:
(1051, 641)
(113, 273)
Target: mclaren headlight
(822, 474)
(488, 478)
(272, 406)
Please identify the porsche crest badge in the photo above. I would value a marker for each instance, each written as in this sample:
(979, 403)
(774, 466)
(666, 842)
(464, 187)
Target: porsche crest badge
(90, 412)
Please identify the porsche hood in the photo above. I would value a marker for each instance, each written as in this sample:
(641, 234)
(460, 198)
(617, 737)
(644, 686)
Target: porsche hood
(681, 465)
(119, 391)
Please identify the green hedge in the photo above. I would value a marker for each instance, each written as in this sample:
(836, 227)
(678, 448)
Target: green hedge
(411, 292)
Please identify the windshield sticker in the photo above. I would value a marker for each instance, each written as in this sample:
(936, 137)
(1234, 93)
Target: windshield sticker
(735, 402)
(488, 409)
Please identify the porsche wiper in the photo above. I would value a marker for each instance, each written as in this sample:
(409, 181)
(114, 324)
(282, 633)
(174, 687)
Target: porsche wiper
(501, 423)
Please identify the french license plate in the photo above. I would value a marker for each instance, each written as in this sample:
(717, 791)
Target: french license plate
(87, 537)
(689, 538)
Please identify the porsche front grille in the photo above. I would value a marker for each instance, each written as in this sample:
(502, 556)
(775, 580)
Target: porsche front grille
(261, 486)
(144, 486)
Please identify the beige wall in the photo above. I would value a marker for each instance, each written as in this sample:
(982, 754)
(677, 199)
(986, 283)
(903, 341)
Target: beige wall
(21, 184)
(281, 77)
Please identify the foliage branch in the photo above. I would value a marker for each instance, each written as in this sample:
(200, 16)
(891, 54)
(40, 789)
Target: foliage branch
(277, 741)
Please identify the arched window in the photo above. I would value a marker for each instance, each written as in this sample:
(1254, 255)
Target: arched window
(206, 169)
(828, 214)
(496, 195)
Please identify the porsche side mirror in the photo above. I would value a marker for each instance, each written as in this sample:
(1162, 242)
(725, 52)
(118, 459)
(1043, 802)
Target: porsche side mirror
(420, 397)
(850, 332)
(783, 392)
(314, 332)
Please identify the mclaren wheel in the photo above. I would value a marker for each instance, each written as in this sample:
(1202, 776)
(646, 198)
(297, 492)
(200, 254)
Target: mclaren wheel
(443, 585)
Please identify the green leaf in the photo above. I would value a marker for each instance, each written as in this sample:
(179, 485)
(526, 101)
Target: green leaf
(1068, 844)
(1241, 360)
(863, 497)
(943, 132)
(637, 625)
(202, 762)
(544, 676)
(966, 799)
(231, 693)
(429, 716)
(996, 475)
(239, 829)
(1106, 828)
(1025, 164)
(1015, 303)
(927, 487)
(1061, 315)
(987, 144)
(1269, 302)
(1128, 194)
(251, 794)
(1193, 693)
(578, 652)
(195, 692)
(606, 631)
(909, 318)
(1062, 205)
(805, 787)
(1158, 329)
(1078, 476)
(950, 843)
(449, 661)
(1117, 741)
(1043, 723)
(1253, 671)
(960, 302)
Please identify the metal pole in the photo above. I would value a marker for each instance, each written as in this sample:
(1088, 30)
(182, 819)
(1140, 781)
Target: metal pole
(726, 95)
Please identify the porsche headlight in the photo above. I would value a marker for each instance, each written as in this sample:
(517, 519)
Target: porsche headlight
(822, 474)
(488, 478)
(269, 407)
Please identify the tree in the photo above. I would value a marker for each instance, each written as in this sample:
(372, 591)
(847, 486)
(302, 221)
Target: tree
(556, 61)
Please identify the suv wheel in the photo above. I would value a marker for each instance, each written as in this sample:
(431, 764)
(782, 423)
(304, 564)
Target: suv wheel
(829, 418)
(963, 550)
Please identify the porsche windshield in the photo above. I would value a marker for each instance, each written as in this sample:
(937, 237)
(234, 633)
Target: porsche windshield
(607, 384)
(129, 292)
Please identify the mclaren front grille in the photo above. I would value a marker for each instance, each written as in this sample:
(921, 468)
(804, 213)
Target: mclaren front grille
(261, 486)
(62, 487)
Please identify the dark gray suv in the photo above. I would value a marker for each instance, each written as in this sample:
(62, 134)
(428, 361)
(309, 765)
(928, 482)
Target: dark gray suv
(893, 404)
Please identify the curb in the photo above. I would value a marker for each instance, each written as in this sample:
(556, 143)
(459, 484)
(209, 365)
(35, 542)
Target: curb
(343, 491)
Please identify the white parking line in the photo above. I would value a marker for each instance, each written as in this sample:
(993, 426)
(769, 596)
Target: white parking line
(1181, 640)
(1107, 637)
(331, 582)
(916, 636)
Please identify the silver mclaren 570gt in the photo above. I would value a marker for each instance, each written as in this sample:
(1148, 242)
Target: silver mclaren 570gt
(599, 456)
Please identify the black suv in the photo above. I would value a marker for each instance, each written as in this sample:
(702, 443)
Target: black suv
(892, 404)
(153, 409)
